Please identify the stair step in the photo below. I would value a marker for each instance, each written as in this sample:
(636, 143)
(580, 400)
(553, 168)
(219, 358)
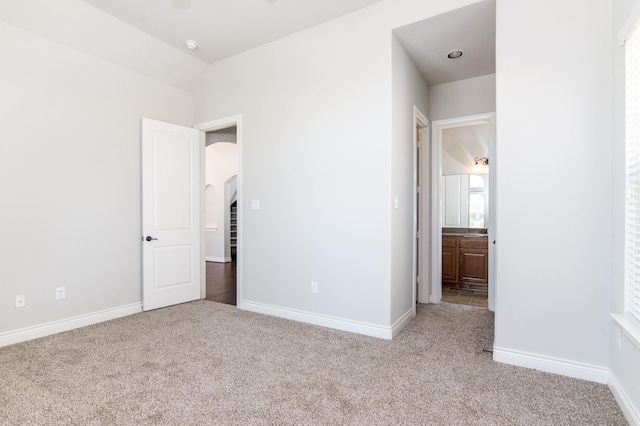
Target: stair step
(233, 228)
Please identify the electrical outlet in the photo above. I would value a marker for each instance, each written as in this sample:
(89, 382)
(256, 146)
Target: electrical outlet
(619, 338)
(60, 293)
(314, 287)
(20, 301)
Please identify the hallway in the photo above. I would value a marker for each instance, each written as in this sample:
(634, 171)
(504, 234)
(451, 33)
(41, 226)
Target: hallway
(221, 282)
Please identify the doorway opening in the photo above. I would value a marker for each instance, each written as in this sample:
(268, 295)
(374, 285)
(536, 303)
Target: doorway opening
(222, 216)
(464, 150)
(221, 194)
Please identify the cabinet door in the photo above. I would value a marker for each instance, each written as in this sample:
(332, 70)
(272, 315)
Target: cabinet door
(449, 265)
(474, 267)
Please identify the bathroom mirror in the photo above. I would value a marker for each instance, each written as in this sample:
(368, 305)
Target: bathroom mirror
(465, 201)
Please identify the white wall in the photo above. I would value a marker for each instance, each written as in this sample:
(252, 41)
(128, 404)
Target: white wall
(82, 26)
(320, 120)
(554, 216)
(624, 371)
(408, 90)
(70, 177)
(316, 152)
(464, 97)
(221, 164)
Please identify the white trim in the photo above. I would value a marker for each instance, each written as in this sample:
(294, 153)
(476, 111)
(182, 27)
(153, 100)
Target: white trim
(203, 215)
(493, 217)
(219, 124)
(549, 364)
(49, 328)
(435, 293)
(629, 327)
(630, 411)
(209, 126)
(421, 246)
(217, 259)
(420, 118)
(321, 320)
(403, 321)
(436, 177)
(626, 29)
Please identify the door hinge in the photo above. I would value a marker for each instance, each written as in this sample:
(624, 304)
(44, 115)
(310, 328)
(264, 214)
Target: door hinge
(417, 234)
(419, 144)
(418, 189)
(418, 278)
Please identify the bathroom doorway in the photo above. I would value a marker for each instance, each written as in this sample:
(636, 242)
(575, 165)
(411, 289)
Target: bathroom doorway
(465, 151)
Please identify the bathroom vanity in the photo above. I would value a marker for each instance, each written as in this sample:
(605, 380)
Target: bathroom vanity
(465, 260)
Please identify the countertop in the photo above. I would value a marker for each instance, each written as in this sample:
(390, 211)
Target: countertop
(465, 234)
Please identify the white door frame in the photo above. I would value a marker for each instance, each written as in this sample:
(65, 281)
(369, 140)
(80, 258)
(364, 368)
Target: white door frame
(436, 175)
(421, 246)
(210, 126)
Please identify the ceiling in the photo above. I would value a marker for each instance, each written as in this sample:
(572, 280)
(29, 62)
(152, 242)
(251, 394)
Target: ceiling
(460, 145)
(224, 28)
(471, 29)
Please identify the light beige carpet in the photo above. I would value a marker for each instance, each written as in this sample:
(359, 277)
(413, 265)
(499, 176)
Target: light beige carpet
(205, 363)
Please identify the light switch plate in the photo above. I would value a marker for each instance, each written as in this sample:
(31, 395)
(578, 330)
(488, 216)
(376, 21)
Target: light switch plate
(255, 204)
(20, 301)
(60, 293)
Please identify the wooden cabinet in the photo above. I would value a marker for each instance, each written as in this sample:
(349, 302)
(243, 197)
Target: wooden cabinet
(449, 259)
(465, 261)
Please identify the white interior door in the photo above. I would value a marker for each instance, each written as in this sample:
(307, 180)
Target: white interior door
(170, 214)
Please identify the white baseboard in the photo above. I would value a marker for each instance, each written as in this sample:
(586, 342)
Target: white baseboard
(217, 259)
(321, 320)
(403, 321)
(42, 330)
(560, 366)
(631, 412)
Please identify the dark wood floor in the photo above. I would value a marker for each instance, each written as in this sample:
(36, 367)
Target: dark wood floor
(221, 282)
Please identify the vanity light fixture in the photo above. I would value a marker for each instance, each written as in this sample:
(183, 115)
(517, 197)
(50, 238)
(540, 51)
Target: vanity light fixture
(455, 54)
(481, 165)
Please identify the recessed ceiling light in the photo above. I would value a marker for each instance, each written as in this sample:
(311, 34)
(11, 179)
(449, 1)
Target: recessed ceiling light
(191, 45)
(455, 54)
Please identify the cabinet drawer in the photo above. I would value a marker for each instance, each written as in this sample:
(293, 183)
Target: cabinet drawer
(473, 242)
(449, 241)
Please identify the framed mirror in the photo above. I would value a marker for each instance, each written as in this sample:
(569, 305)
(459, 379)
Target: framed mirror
(466, 201)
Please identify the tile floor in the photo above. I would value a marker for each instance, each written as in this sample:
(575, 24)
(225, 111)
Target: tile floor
(465, 297)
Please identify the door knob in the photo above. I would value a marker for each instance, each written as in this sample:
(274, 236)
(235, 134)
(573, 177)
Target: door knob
(149, 238)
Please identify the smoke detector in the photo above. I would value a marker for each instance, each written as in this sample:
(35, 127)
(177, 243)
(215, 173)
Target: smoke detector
(191, 44)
